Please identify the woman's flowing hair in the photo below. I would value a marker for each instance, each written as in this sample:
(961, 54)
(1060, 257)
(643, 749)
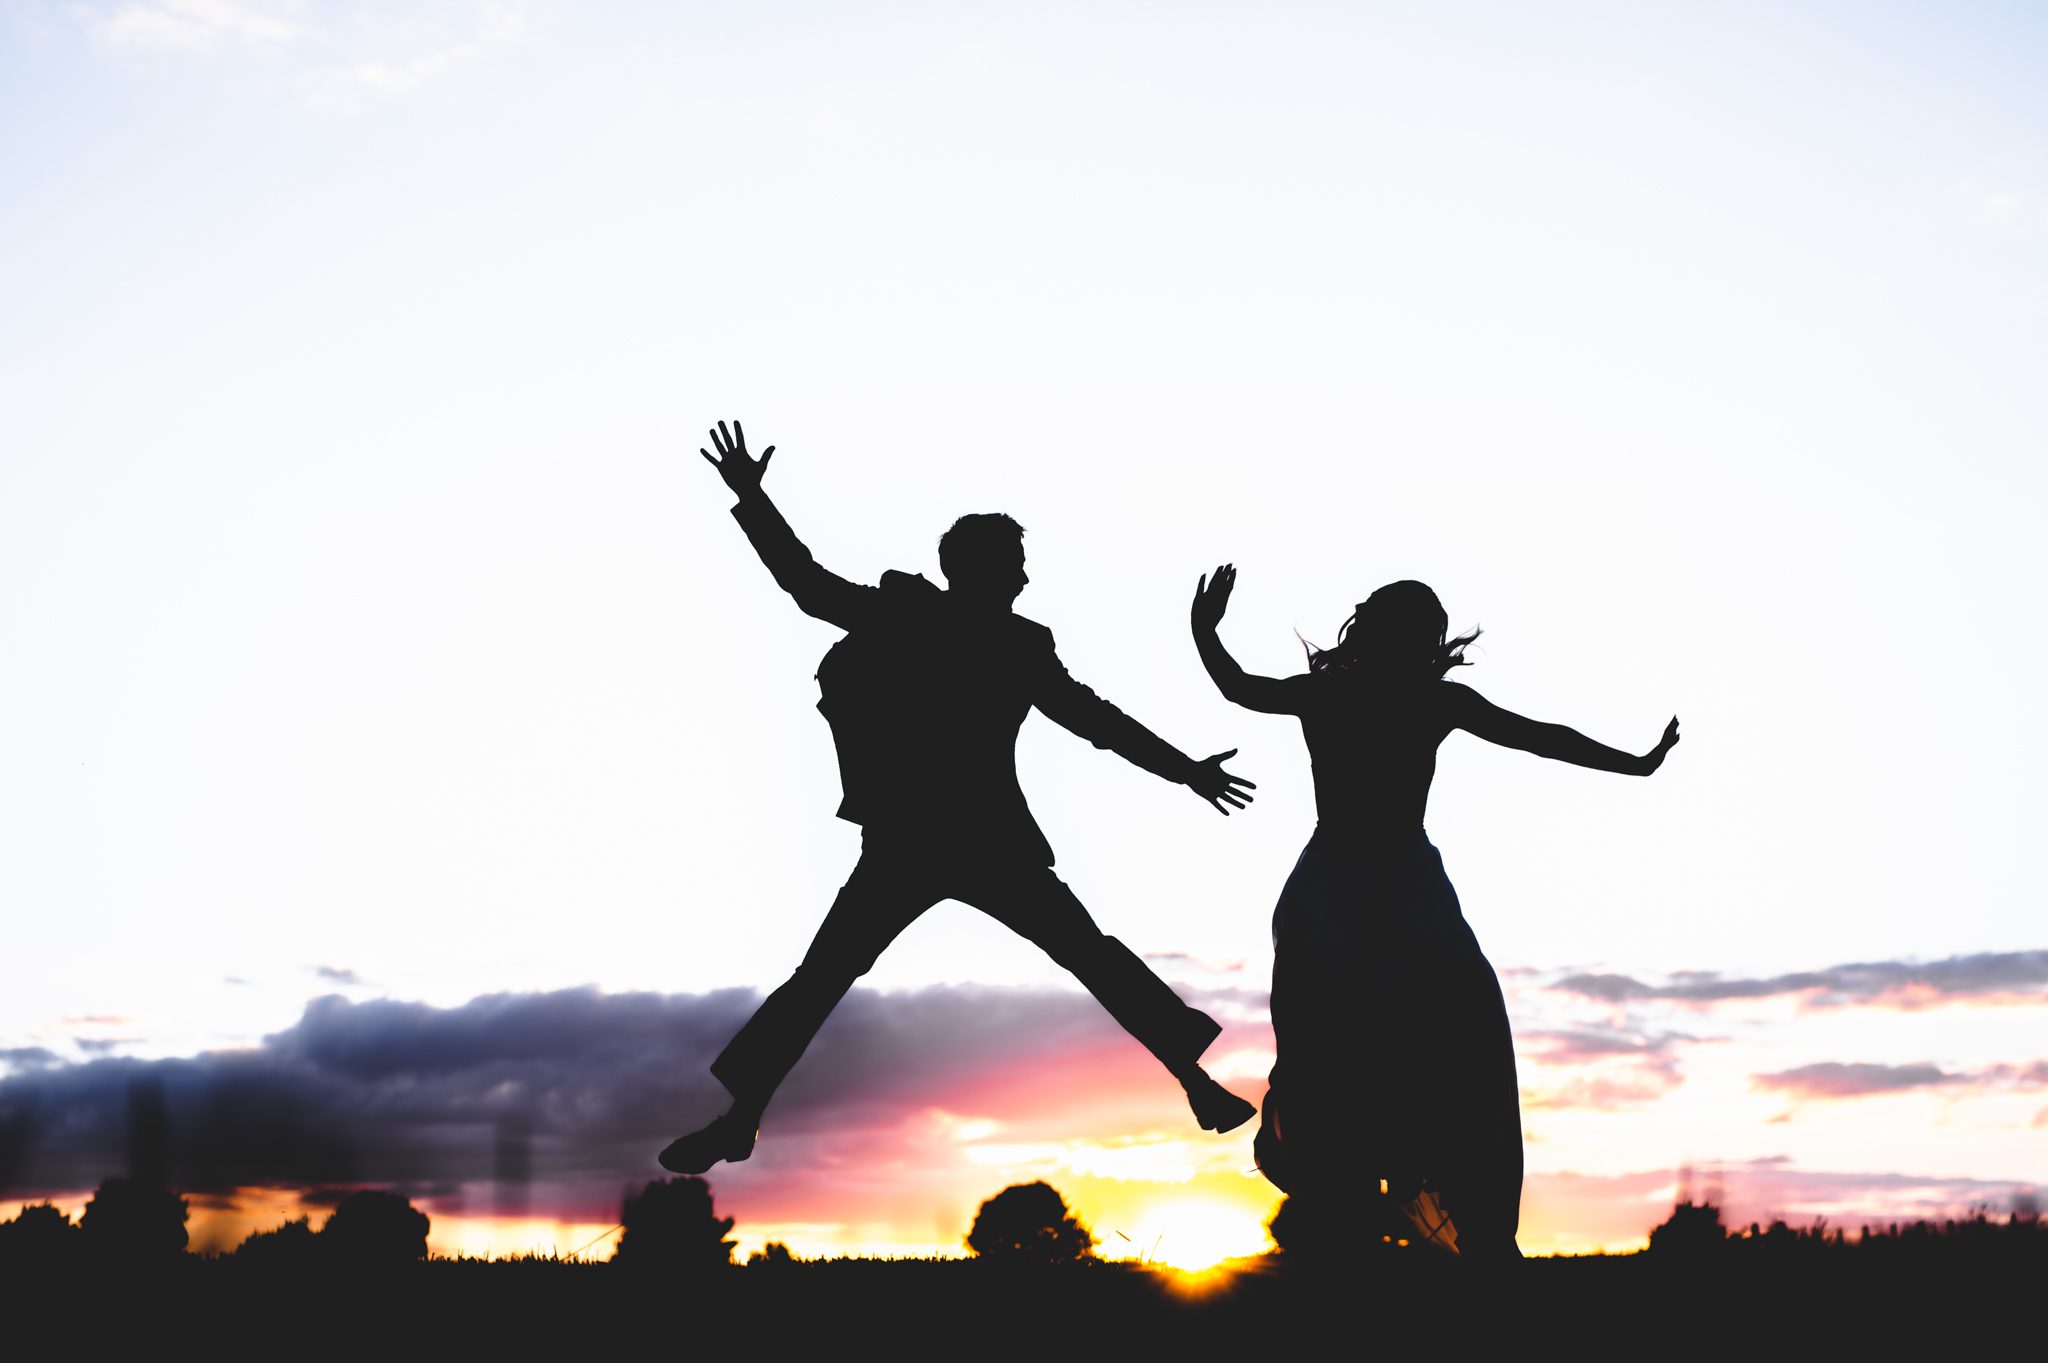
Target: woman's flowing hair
(1401, 630)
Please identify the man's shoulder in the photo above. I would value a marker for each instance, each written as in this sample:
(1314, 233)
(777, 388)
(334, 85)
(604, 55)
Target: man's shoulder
(906, 597)
(909, 586)
(1030, 633)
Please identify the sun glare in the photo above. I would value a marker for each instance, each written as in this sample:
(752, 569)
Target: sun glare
(1195, 1234)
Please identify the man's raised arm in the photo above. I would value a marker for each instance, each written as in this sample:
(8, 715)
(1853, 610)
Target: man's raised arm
(1078, 709)
(817, 591)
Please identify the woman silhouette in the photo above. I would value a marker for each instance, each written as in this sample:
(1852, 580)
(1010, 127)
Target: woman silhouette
(1394, 1058)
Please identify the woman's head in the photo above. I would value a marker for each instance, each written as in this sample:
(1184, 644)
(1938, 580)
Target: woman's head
(1401, 630)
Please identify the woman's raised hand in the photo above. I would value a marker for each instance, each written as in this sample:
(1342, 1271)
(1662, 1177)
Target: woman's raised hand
(1212, 597)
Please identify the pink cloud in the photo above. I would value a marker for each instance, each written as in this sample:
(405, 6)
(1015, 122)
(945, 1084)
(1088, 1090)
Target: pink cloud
(1599, 1066)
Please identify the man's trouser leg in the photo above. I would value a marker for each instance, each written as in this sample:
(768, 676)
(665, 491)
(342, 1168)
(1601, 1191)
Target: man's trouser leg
(1037, 905)
(880, 899)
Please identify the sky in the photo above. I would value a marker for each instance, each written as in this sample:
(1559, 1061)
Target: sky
(394, 721)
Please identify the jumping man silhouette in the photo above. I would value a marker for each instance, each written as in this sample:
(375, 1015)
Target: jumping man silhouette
(925, 696)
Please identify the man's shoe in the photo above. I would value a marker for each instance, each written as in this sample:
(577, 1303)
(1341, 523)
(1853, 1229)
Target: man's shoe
(724, 1139)
(1216, 1107)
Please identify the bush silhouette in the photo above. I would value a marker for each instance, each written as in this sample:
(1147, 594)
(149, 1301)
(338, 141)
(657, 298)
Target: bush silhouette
(1028, 1223)
(291, 1244)
(38, 1234)
(1692, 1230)
(774, 1254)
(373, 1229)
(671, 1224)
(132, 1220)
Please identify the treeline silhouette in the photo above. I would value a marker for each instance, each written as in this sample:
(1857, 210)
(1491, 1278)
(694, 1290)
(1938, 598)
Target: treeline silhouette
(671, 1225)
(134, 1224)
(1034, 1284)
(1695, 1233)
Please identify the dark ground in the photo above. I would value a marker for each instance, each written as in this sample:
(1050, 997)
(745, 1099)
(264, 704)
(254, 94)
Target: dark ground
(1397, 1306)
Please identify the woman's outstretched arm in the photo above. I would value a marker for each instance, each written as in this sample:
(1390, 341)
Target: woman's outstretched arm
(1475, 714)
(1269, 695)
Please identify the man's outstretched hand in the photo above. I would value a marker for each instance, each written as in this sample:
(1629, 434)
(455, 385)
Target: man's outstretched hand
(1219, 787)
(1654, 758)
(741, 474)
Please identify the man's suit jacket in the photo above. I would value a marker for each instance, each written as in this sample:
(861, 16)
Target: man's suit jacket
(925, 700)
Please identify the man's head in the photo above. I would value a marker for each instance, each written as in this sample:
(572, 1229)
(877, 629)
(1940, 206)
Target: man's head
(982, 557)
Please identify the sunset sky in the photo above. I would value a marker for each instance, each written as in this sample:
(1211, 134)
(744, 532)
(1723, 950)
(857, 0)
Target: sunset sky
(402, 754)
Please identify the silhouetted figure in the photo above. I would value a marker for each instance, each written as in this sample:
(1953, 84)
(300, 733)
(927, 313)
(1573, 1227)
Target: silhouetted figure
(925, 696)
(374, 1229)
(670, 1224)
(1394, 1057)
(1339, 1223)
(1027, 1223)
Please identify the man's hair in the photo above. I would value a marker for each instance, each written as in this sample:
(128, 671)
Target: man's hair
(973, 539)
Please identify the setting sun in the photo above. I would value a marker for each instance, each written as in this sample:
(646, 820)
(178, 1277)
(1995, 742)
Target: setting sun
(1199, 1233)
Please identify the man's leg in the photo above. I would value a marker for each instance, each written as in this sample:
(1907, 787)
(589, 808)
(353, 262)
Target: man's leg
(882, 897)
(1037, 905)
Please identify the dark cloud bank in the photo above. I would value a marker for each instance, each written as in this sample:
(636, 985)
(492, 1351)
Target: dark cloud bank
(1989, 974)
(589, 1085)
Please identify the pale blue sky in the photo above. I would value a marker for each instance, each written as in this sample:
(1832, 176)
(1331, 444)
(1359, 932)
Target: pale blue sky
(364, 603)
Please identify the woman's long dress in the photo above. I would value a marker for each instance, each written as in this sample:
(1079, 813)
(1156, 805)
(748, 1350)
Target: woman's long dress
(1394, 1059)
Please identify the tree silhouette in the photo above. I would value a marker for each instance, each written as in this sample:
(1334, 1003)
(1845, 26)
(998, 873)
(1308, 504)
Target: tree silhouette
(1028, 1223)
(372, 1229)
(671, 1224)
(774, 1254)
(1693, 1230)
(132, 1220)
(291, 1244)
(38, 1234)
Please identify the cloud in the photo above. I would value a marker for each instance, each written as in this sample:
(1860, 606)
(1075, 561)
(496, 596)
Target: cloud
(1600, 1067)
(1992, 976)
(1194, 962)
(199, 25)
(1832, 1079)
(591, 1083)
(27, 1057)
(336, 53)
(388, 55)
(1579, 1045)
(337, 974)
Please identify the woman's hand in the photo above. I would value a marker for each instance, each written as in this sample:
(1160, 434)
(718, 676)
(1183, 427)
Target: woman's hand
(1654, 758)
(1212, 596)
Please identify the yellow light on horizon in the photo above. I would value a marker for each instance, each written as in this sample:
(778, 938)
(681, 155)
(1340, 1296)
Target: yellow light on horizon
(1194, 1234)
